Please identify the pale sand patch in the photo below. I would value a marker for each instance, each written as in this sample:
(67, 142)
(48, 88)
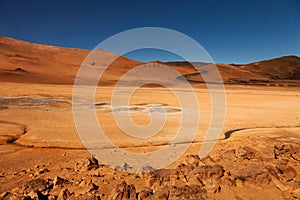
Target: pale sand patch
(52, 125)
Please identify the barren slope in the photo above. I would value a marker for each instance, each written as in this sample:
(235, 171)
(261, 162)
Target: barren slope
(35, 63)
(283, 70)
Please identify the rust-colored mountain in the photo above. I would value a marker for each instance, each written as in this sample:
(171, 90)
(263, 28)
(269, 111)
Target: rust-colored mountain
(35, 63)
(284, 70)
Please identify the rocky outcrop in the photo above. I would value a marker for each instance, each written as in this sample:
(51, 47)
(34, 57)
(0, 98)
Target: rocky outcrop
(86, 164)
(194, 178)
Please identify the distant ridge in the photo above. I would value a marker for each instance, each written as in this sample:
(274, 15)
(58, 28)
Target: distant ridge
(277, 71)
(26, 62)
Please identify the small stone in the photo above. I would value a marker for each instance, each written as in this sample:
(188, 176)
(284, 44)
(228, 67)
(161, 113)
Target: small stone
(237, 197)
(15, 190)
(64, 194)
(207, 171)
(296, 156)
(121, 186)
(33, 195)
(58, 181)
(51, 197)
(126, 166)
(91, 186)
(283, 187)
(86, 187)
(212, 187)
(246, 153)
(146, 169)
(185, 192)
(296, 193)
(153, 177)
(207, 160)
(124, 191)
(195, 180)
(229, 155)
(239, 182)
(286, 173)
(162, 194)
(41, 171)
(229, 182)
(283, 150)
(137, 177)
(98, 174)
(193, 160)
(36, 185)
(4, 194)
(87, 164)
(155, 187)
(145, 193)
(31, 175)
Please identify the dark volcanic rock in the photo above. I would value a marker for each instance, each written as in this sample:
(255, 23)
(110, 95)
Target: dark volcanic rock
(36, 185)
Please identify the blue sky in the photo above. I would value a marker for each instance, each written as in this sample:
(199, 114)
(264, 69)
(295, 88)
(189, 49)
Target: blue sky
(231, 31)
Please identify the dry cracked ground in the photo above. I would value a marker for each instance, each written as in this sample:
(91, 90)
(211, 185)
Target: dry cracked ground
(256, 157)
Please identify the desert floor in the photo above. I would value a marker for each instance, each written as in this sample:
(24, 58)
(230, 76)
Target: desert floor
(38, 139)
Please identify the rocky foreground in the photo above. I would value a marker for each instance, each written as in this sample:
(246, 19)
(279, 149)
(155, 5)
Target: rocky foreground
(226, 175)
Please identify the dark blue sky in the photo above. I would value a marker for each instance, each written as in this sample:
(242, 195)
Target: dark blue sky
(231, 31)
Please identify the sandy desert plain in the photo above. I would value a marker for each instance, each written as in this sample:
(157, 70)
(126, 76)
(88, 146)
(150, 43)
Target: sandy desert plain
(42, 157)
